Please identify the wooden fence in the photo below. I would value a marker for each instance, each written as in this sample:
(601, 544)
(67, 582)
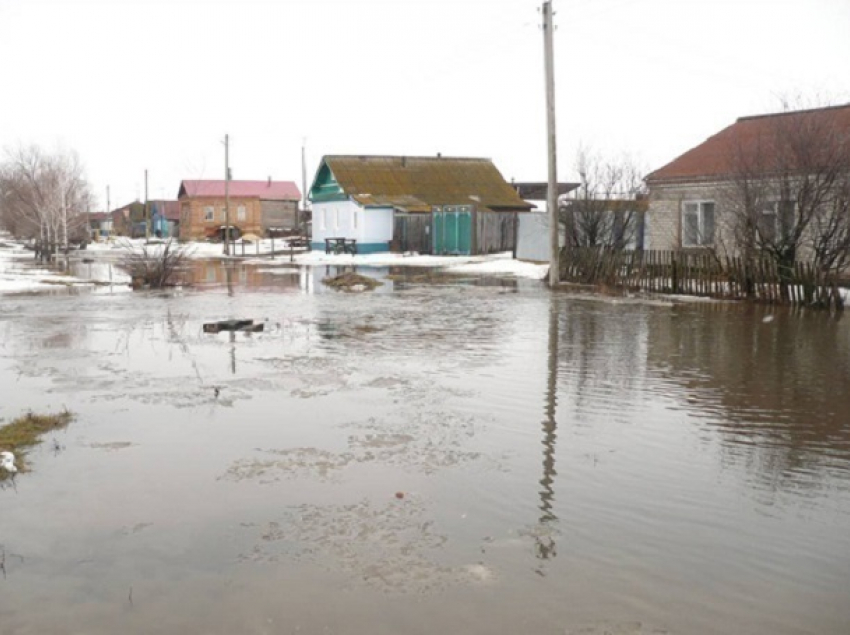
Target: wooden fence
(702, 274)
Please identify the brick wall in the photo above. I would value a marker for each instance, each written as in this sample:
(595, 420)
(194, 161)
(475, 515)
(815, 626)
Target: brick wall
(195, 226)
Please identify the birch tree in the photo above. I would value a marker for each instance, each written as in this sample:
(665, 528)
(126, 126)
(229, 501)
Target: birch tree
(43, 195)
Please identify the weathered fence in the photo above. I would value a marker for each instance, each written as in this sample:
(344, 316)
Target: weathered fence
(702, 274)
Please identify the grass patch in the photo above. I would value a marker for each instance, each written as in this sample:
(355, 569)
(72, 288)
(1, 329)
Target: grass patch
(26, 431)
(352, 282)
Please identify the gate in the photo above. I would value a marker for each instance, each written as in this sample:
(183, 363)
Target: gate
(453, 230)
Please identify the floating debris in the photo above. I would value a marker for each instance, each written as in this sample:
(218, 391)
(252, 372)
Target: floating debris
(352, 282)
(233, 325)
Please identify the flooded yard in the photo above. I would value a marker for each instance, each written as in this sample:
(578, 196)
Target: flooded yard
(440, 455)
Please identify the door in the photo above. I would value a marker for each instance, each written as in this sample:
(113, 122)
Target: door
(453, 230)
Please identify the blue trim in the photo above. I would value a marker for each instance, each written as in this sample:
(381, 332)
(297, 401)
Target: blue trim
(362, 248)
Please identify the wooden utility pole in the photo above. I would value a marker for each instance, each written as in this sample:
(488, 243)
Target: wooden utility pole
(552, 190)
(303, 212)
(226, 195)
(109, 213)
(147, 210)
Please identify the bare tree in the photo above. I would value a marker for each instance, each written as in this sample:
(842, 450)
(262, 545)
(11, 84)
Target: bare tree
(154, 266)
(43, 195)
(607, 209)
(789, 189)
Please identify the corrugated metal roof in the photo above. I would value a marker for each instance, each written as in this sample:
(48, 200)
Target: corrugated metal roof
(418, 183)
(745, 140)
(264, 190)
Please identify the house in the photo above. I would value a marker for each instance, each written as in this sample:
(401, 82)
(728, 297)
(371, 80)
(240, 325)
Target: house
(760, 184)
(100, 224)
(165, 218)
(255, 207)
(439, 205)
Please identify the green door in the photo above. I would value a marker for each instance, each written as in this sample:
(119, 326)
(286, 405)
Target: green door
(453, 230)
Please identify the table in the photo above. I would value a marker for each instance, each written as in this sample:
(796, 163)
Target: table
(339, 245)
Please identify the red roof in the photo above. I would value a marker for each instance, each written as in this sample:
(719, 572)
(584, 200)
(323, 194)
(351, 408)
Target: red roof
(171, 209)
(751, 137)
(265, 190)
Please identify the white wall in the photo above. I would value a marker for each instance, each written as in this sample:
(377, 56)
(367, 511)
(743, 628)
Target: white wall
(335, 219)
(533, 237)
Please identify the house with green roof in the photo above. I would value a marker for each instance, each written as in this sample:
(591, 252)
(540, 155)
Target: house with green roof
(435, 205)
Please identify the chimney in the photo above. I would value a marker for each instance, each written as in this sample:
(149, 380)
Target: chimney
(439, 155)
(270, 181)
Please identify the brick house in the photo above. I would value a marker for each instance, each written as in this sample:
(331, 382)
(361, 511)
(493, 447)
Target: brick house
(255, 207)
(694, 200)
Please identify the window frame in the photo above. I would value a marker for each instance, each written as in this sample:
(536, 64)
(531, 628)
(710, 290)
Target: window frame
(701, 240)
(209, 213)
(241, 214)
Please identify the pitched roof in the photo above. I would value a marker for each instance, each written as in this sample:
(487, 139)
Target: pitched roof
(745, 139)
(265, 190)
(418, 183)
(170, 208)
(539, 190)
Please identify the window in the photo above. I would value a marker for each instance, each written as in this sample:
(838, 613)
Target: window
(776, 221)
(240, 213)
(324, 219)
(209, 214)
(698, 224)
(354, 219)
(223, 214)
(336, 218)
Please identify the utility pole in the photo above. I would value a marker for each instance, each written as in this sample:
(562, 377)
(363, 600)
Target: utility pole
(303, 213)
(226, 195)
(147, 210)
(109, 213)
(552, 190)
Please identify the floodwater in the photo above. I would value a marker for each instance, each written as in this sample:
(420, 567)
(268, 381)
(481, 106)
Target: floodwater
(470, 456)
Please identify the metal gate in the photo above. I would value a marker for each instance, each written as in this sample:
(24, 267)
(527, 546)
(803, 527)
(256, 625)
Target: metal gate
(453, 230)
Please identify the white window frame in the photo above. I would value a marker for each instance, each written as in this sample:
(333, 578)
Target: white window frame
(701, 241)
(336, 219)
(209, 214)
(324, 219)
(354, 219)
(240, 213)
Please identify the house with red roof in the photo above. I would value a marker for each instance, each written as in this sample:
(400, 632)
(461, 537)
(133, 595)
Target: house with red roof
(763, 170)
(256, 207)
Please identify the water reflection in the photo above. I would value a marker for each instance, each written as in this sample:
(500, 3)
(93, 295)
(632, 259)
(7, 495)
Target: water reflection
(776, 390)
(545, 541)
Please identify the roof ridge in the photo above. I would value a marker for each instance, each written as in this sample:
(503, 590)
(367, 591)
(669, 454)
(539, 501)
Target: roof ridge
(792, 112)
(406, 156)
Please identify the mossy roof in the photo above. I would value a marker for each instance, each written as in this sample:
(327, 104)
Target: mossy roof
(419, 183)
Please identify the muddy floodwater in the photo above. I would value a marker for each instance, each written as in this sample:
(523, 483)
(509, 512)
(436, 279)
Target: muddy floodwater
(437, 456)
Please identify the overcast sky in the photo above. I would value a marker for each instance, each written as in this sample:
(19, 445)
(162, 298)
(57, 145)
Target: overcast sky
(135, 84)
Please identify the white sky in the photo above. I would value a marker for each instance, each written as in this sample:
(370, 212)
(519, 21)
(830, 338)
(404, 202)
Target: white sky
(135, 84)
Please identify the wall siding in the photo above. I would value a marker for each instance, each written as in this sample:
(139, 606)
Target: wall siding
(279, 215)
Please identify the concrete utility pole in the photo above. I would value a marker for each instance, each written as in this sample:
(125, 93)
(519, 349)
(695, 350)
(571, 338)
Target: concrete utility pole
(226, 195)
(552, 190)
(147, 210)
